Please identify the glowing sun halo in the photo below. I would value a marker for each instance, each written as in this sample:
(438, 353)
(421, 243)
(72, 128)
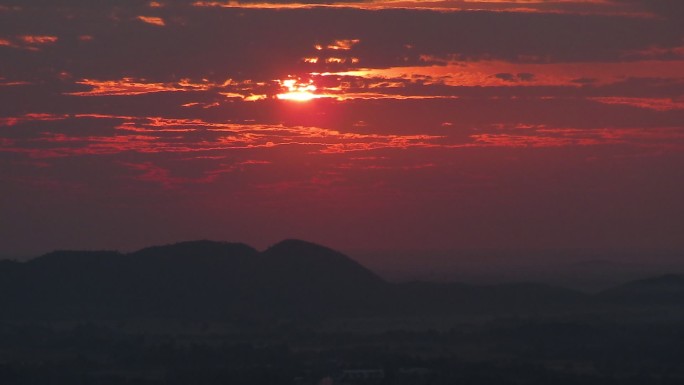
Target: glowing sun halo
(296, 91)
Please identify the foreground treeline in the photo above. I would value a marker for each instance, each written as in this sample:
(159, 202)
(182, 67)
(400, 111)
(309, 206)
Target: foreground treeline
(498, 352)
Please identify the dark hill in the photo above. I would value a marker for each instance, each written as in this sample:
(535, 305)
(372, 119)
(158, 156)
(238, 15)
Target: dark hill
(315, 265)
(304, 277)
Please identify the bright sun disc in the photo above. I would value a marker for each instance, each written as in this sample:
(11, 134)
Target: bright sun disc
(298, 92)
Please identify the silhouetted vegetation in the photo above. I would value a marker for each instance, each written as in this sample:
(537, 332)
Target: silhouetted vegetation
(504, 352)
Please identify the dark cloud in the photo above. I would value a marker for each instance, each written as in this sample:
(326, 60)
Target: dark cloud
(671, 8)
(228, 43)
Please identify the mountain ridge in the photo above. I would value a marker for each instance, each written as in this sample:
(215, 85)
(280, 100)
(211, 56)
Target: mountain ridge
(225, 280)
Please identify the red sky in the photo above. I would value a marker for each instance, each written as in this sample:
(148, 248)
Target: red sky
(372, 125)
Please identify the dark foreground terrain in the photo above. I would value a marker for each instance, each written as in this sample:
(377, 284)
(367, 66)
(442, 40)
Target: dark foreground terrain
(297, 313)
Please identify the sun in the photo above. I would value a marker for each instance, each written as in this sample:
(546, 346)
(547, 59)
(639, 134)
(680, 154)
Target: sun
(297, 91)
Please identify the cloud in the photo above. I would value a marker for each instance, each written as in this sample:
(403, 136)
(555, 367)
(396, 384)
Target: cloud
(658, 104)
(205, 43)
(596, 7)
(153, 20)
(130, 87)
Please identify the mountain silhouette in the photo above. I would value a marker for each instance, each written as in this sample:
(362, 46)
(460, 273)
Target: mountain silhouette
(292, 279)
(188, 279)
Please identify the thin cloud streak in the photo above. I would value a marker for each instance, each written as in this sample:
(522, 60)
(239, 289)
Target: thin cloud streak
(499, 73)
(580, 7)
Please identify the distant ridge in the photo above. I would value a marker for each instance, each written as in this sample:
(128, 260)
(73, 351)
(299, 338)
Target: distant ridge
(665, 289)
(292, 279)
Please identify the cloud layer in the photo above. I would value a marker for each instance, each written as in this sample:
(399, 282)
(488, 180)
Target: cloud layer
(373, 124)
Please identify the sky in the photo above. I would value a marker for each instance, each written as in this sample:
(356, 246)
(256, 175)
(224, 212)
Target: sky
(361, 125)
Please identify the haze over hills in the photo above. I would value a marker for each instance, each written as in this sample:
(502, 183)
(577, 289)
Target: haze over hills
(663, 290)
(589, 270)
(292, 279)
